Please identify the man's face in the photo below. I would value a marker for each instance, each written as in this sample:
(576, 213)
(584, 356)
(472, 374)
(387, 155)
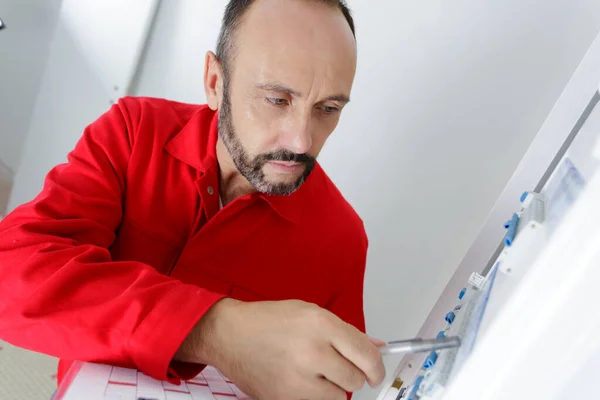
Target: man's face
(289, 78)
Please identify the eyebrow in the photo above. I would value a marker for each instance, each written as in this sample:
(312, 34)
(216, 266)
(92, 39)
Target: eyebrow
(277, 87)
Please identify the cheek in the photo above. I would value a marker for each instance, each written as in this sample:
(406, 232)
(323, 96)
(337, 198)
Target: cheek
(256, 129)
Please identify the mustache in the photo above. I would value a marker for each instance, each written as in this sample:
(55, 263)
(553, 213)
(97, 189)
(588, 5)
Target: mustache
(287, 156)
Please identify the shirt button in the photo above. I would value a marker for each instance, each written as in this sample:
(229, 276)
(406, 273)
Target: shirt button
(210, 190)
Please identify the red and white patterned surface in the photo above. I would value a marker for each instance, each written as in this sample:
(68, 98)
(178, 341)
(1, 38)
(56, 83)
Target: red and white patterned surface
(210, 384)
(25, 375)
(102, 382)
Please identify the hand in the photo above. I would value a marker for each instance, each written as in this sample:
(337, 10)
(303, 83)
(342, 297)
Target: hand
(289, 350)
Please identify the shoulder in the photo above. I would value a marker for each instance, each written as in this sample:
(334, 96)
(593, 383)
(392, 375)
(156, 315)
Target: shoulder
(157, 117)
(149, 107)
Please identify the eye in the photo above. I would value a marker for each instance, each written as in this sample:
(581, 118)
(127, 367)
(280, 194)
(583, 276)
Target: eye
(329, 110)
(277, 101)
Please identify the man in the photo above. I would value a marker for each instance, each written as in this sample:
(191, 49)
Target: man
(179, 235)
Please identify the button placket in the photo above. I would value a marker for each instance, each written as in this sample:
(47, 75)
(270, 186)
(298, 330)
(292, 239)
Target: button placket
(208, 190)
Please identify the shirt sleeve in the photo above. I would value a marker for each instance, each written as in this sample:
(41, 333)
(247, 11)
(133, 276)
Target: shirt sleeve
(63, 295)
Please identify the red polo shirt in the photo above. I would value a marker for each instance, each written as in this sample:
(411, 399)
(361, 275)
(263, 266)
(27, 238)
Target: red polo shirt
(125, 248)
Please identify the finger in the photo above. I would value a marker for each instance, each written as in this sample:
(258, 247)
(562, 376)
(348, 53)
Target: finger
(325, 390)
(356, 347)
(338, 370)
(377, 342)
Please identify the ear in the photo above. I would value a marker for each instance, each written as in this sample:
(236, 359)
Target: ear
(213, 80)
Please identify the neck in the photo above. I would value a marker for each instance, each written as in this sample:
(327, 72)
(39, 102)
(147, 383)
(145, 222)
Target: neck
(232, 184)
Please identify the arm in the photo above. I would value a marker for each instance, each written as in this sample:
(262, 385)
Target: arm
(272, 349)
(62, 294)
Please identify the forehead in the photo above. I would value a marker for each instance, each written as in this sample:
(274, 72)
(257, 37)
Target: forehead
(296, 42)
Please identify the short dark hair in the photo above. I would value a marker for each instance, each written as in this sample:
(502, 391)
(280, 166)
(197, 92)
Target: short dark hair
(232, 18)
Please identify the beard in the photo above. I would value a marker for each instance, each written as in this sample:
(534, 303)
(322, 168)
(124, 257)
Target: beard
(251, 168)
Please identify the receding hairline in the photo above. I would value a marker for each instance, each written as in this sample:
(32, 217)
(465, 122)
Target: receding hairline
(235, 13)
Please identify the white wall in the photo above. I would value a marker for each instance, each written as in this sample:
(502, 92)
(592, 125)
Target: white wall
(88, 68)
(173, 65)
(24, 46)
(453, 100)
(580, 94)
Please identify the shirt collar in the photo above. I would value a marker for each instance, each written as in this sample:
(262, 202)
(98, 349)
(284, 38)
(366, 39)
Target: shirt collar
(293, 206)
(197, 149)
(192, 145)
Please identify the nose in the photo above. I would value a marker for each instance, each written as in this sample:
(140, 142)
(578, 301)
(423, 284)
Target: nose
(297, 136)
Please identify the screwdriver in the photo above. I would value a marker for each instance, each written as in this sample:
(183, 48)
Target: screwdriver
(418, 345)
